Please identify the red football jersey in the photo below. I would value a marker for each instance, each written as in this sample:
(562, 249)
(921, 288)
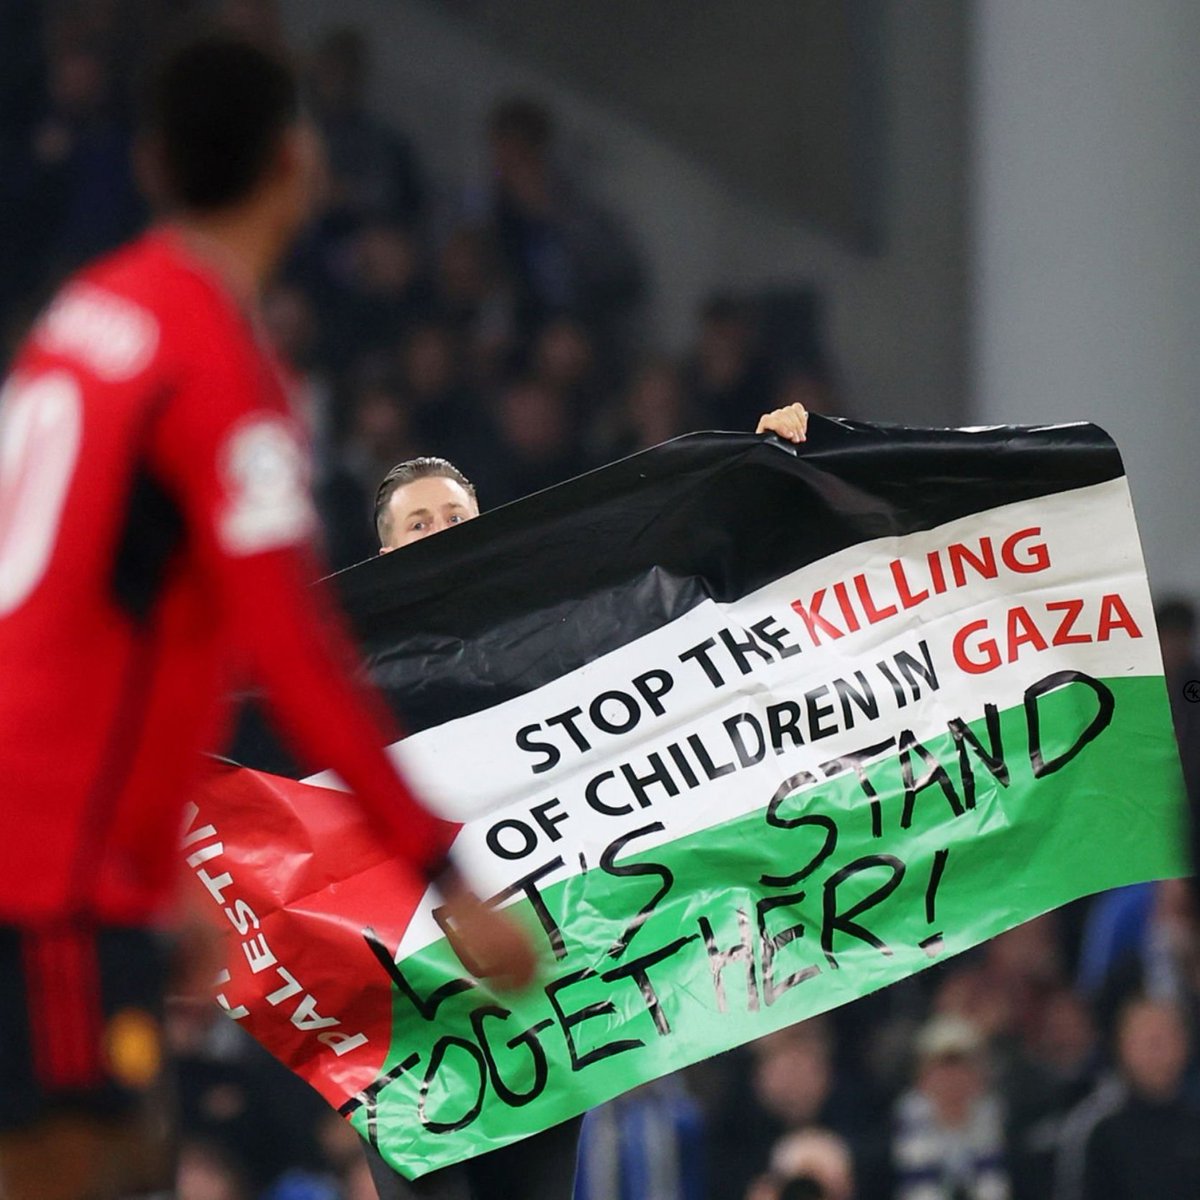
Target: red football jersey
(154, 531)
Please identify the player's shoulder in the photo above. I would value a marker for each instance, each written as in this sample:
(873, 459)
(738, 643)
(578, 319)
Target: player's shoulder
(159, 275)
(99, 326)
(123, 312)
(145, 304)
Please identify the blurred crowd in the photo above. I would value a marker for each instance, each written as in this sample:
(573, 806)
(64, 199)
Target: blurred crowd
(499, 322)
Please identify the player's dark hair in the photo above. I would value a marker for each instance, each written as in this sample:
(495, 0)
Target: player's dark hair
(405, 473)
(217, 108)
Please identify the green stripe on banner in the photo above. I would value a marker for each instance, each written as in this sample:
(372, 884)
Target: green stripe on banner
(674, 952)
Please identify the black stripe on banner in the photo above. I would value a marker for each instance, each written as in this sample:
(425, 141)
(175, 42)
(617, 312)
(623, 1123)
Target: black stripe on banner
(500, 606)
(530, 591)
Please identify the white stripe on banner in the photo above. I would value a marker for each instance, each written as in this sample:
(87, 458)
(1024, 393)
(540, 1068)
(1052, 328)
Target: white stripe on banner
(564, 770)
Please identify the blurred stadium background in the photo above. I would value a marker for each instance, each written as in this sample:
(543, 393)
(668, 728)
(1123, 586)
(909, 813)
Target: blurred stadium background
(556, 233)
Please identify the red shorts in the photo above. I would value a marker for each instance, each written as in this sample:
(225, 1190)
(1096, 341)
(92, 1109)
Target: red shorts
(80, 1020)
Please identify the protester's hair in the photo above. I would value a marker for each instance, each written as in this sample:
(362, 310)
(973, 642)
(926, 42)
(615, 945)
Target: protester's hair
(217, 108)
(407, 472)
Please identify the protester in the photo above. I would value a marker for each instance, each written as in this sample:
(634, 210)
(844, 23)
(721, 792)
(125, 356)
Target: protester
(415, 500)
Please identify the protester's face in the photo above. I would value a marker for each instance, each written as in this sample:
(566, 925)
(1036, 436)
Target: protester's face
(427, 506)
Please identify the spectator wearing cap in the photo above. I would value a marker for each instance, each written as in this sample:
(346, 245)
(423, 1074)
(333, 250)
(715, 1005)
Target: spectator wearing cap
(948, 1130)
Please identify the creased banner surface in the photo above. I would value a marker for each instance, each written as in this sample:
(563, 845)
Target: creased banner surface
(743, 732)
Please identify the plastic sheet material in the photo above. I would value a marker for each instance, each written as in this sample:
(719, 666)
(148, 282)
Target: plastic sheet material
(742, 731)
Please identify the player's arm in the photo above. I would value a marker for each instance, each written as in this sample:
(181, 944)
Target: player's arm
(240, 471)
(790, 422)
(293, 641)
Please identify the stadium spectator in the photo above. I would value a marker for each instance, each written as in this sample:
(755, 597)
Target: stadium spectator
(561, 252)
(1140, 939)
(446, 414)
(373, 170)
(1148, 1146)
(380, 427)
(814, 1164)
(258, 1120)
(646, 1143)
(476, 302)
(69, 175)
(782, 1083)
(948, 1129)
(376, 294)
(379, 433)
(1176, 621)
(1058, 1067)
(727, 378)
(806, 388)
(537, 444)
(205, 1173)
(341, 1172)
(564, 359)
(256, 20)
(651, 409)
(290, 321)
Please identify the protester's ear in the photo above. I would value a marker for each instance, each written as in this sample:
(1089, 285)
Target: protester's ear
(386, 549)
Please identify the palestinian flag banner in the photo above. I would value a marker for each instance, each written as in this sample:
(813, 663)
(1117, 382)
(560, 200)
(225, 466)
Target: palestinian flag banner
(742, 731)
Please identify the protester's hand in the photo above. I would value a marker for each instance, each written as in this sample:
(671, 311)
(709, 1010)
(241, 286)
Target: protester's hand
(790, 423)
(490, 944)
